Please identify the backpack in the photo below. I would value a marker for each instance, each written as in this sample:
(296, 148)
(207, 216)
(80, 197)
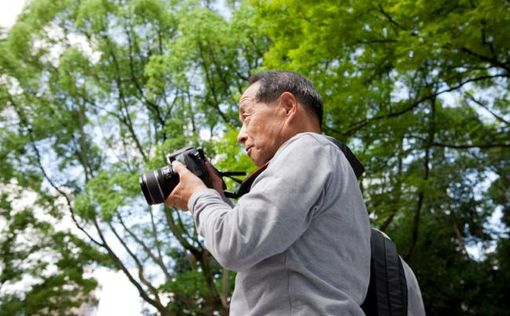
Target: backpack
(387, 290)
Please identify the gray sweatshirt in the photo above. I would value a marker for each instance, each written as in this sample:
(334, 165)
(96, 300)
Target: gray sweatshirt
(299, 240)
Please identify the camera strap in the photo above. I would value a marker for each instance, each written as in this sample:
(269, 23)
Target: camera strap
(246, 183)
(231, 174)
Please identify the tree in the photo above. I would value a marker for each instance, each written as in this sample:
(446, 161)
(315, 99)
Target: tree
(49, 263)
(94, 92)
(420, 90)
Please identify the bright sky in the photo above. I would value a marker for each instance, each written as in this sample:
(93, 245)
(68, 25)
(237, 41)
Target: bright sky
(9, 11)
(117, 296)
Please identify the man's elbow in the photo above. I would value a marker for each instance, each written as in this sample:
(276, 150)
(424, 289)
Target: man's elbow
(232, 261)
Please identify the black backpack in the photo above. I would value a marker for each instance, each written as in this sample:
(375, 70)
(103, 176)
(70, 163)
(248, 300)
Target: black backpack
(387, 290)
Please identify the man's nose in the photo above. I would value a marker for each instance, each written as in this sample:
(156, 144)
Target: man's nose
(241, 137)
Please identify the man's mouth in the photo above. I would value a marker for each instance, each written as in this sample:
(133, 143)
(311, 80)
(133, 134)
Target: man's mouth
(247, 149)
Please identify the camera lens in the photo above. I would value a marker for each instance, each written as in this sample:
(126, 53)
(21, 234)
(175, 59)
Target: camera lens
(157, 185)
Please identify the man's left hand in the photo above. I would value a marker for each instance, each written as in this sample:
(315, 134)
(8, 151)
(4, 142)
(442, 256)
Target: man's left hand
(188, 184)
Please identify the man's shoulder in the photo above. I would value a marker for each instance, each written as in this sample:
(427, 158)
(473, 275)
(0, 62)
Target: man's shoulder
(305, 140)
(309, 148)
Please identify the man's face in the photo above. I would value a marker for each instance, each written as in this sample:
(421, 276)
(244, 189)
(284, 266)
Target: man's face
(262, 128)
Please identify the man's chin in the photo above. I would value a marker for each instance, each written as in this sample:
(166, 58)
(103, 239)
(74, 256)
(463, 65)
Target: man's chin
(256, 160)
(259, 162)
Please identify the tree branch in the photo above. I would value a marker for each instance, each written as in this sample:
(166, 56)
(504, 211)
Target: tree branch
(458, 233)
(178, 234)
(464, 146)
(214, 300)
(152, 106)
(128, 274)
(398, 188)
(361, 124)
(481, 104)
(155, 235)
(421, 191)
(489, 60)
(394, 23)
(157, 260)
(211, 84)
(141, 273)
(25, 124)
(126, 118)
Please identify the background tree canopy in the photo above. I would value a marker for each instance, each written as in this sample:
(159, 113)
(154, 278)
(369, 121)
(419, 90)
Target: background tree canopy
(94, 92)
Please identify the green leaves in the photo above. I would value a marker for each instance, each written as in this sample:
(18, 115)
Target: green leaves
(398, 79)
(104, 91)
(105, 194)
(93, 93)
(43, 264)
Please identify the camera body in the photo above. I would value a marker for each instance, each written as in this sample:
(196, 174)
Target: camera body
(156, 185)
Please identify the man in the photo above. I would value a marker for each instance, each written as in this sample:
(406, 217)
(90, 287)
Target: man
(300, 239)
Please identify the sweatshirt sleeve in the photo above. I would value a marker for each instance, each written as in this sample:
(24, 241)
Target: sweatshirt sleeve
(275, 213)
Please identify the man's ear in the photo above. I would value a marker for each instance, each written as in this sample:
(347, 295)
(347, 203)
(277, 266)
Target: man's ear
(289, 103)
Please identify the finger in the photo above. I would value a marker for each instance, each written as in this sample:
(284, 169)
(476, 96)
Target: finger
(179, 167)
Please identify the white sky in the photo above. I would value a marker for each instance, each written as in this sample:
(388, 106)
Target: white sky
(117, 296)
(9, 10)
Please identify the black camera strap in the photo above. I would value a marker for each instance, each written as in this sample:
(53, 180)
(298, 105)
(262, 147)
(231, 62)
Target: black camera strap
(231, 175)
(246, 184)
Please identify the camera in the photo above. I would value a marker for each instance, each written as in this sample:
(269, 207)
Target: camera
(156, 185)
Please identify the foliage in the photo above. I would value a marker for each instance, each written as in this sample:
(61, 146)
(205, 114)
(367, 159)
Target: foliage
(48, 263)
(93, 92)
(421, 91)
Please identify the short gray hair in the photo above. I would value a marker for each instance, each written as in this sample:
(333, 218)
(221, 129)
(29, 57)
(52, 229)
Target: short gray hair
(274, 82)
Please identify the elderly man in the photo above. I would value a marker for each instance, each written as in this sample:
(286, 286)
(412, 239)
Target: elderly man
(300, 239)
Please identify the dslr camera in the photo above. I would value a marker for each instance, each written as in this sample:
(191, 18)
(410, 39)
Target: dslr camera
(156, 185)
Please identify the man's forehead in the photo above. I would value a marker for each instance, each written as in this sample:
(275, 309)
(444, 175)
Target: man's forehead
(248, 97)
(250, 93)
(245, 102)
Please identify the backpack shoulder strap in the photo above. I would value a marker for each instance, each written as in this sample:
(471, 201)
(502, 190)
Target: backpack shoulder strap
(387, 291)
(356, 165)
